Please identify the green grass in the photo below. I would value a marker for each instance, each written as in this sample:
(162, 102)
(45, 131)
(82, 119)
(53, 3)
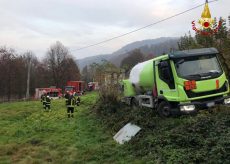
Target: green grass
(30, 135)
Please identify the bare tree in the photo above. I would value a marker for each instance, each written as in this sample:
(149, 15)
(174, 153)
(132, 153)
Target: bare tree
(61, 65)
(12, 73)
(21, 74)
(7, 63)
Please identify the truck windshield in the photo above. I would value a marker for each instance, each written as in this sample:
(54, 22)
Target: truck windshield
(198, 67)
(53, 94)
(68, 88)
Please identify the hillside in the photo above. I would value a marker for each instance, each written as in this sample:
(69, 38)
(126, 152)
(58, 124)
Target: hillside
(143, 43)
(155, 47)
(30, 135)
(89, 60)
(150, 46)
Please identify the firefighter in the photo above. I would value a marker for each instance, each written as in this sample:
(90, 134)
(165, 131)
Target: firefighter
(43, 99)
(67, 95)
(48, 102)
(78, 101)
(70, 106)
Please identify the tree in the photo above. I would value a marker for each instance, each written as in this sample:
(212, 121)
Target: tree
(61, 65)
(222, 34)
(86, 75)
(229, 20)
(7, 58)
(71, 70)
(103, 72)
(21, 74)
(187, 42)
(220, 40)
(12, 74)
(134, 58)
(149, 56)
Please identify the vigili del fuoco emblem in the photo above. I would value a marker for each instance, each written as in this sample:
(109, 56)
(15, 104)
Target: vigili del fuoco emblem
(206, 23)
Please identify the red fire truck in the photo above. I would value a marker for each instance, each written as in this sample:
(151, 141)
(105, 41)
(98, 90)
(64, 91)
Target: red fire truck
(54, 93)
(93, 86)
(75, 87)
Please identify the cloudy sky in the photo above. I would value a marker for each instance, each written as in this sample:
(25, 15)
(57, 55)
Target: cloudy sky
(36, 24)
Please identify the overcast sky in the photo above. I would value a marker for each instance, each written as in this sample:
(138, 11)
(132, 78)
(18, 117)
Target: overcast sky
(36, 24)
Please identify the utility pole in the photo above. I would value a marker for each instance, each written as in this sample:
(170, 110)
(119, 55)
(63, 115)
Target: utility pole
(28, 77)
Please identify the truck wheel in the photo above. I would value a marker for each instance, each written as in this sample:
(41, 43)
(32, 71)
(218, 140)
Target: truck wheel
(134, 103)
(164, 109)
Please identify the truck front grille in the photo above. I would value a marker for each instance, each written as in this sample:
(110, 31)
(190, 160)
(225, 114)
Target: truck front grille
(191, 94)
(204, 100)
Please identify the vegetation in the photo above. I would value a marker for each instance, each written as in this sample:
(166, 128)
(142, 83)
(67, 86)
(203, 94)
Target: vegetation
(103, 73)
(220, 40)
(203, 138)
(130, 61)
(55, 69)
(61, 65)
(30, 135)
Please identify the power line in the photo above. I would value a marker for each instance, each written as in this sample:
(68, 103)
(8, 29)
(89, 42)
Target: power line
(152, 24)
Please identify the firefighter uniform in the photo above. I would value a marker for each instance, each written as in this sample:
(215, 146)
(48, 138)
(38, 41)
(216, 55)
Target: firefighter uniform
(47, 103)
(67, 96)
(70, 106)
(43, 100)
(78, 101)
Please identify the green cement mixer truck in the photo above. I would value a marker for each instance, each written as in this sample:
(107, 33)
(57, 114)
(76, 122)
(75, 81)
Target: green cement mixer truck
(179, 82)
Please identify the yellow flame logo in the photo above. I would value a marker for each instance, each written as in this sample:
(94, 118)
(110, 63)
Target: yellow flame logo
(206, 22)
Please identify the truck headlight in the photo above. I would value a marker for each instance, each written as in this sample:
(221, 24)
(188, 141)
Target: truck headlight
(227, 101)
(187, 108)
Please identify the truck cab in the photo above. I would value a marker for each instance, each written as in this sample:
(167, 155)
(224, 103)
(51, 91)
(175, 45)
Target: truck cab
(75, 87)
(182, 82)
(192, 79)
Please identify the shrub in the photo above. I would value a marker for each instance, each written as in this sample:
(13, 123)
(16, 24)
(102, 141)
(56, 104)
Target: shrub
(109, 94)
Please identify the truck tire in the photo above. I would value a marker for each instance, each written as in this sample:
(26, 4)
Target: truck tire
(164, 109)
(134, 103)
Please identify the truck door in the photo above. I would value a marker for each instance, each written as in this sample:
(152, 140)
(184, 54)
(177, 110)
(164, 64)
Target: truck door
(165, 81)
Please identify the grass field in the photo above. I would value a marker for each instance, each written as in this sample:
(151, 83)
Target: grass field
(30, 135)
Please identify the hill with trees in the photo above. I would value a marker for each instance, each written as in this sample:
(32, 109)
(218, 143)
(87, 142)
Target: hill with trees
(147, 47)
